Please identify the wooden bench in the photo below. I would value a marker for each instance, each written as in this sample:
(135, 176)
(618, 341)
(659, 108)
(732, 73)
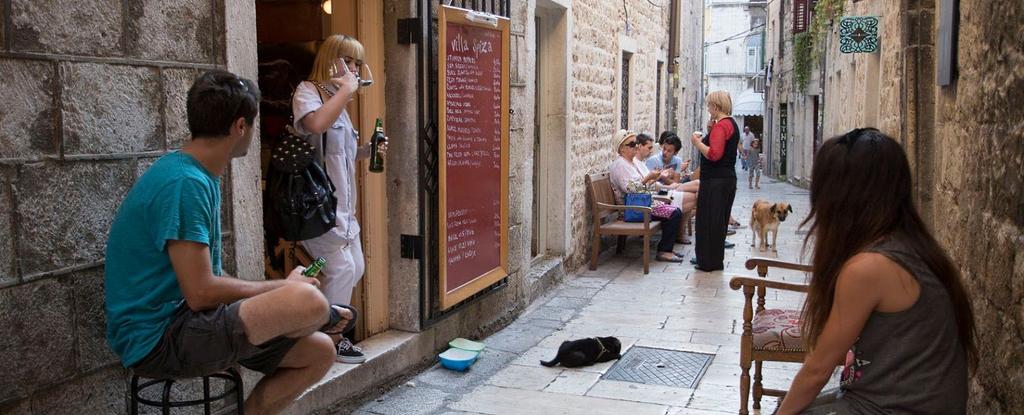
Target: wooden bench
(607, 221)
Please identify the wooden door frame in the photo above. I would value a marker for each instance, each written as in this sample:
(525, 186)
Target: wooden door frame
(364, 20)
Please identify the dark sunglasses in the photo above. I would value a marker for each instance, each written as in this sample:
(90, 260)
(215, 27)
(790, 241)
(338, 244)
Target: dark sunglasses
(630, 144)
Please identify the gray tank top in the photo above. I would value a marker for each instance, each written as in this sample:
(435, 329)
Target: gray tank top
(909, 361)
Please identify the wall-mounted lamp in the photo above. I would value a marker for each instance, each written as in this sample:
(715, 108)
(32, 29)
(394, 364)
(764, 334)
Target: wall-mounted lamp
(326, 6)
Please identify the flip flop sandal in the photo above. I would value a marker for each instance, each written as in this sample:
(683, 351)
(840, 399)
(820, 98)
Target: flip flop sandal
(336, 317)
(674, 259)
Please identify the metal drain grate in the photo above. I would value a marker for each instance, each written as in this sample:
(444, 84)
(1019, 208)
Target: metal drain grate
(652, 366)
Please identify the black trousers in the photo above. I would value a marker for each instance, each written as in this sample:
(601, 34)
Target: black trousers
(714, 203)
(669, 231)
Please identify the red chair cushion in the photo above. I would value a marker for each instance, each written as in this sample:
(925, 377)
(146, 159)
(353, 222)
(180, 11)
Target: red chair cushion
(777, 330)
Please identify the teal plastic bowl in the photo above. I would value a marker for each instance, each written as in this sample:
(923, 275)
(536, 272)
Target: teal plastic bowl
(458, 359)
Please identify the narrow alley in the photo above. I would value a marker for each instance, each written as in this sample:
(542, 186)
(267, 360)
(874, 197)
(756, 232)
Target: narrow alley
(673, 308)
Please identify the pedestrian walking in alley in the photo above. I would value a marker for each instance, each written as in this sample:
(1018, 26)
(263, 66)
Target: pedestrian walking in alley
(745, 144)
(718, 182)
(171, 310)
(756, 165)
(884, 296)
(319, 109)
(622, 172)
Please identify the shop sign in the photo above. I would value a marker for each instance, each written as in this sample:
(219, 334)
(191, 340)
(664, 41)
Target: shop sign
(858, 34)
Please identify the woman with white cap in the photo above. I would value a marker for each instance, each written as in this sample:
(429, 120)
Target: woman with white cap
(623, 172)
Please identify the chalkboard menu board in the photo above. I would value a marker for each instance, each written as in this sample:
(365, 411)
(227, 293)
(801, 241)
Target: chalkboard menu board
(473, 143)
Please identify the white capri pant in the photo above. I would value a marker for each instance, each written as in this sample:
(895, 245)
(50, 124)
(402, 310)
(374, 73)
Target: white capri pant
(344, 269)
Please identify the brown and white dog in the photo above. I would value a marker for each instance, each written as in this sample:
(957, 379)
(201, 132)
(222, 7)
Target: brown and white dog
(764, 218)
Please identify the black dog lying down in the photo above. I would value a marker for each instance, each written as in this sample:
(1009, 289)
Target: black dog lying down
(585, 352)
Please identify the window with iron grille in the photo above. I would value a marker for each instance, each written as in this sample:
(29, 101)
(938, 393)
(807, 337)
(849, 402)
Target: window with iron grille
(624, 116)
(657, 100)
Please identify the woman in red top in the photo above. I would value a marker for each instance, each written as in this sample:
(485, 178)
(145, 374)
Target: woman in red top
(717, 182)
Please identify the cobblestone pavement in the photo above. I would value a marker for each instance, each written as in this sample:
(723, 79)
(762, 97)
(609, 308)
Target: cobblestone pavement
(674, 307)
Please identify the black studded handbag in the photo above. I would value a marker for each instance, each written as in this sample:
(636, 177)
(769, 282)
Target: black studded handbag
(299, 201)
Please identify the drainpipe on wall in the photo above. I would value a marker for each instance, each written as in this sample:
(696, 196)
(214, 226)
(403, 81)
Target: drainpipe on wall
(703, 66)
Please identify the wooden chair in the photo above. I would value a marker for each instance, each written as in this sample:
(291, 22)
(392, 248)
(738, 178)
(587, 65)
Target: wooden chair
(768, 334)
(603, 208)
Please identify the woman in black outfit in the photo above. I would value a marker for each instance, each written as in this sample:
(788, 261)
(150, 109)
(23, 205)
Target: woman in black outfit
(717, 182)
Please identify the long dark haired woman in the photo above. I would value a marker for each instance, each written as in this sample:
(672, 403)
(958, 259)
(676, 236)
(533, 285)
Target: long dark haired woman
(884, 297)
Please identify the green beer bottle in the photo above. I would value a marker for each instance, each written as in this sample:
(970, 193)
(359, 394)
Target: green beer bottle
(376, 158)
(315, 267)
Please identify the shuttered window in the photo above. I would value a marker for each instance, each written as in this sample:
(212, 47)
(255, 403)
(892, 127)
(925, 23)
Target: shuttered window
(800, 16)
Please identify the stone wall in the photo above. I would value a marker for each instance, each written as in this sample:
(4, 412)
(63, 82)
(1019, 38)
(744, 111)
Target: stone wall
(977, 209)
(967, 152)
(401, 88)
(690, 74)
(522, 93)
(599, 36)
(93, 94)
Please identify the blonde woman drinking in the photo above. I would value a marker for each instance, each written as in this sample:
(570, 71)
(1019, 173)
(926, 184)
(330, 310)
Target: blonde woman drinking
(319, 109)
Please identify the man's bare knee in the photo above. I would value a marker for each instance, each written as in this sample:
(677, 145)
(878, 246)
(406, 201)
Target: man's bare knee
(315, 351)
(325, 351)
(311, 306)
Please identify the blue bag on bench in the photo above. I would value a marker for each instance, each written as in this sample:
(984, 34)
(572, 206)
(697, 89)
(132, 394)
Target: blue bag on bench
(636, 199)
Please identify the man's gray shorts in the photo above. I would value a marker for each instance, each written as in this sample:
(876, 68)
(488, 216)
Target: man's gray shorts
(205, 342)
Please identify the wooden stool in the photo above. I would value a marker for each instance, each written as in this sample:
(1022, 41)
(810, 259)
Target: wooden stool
(233, 384)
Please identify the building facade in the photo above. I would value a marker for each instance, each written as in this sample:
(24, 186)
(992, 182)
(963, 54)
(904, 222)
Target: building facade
(96, 93)
(734, 56)
(945, 81)
(620, 79)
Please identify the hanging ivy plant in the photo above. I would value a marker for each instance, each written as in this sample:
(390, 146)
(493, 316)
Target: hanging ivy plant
(802, 47)
(807, 46)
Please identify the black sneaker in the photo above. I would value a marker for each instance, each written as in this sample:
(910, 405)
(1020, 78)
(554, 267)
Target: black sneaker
(349, 353)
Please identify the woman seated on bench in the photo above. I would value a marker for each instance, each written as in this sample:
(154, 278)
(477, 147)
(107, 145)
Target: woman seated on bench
(622, 172)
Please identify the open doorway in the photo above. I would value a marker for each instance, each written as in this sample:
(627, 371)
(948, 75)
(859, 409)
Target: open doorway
(550, 221)
(285, 55)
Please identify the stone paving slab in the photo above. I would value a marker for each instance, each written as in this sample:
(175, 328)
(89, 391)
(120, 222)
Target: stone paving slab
(673, 307)
(494, 400)
(573, 382)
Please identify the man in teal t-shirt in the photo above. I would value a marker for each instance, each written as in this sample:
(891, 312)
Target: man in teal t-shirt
(171, 311)
(176, 199)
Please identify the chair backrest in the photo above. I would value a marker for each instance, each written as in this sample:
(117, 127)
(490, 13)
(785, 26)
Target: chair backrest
(599, 186)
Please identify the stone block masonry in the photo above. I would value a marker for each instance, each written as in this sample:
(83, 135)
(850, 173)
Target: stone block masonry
(179, 31)
(27, 122)
(124, 118)
(39, 349)
(965, 147)
(90, 28)
(978, 206)
(75, 234)
(7, 255)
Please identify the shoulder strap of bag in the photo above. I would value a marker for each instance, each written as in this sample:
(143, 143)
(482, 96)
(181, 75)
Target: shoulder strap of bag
(323, 137)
